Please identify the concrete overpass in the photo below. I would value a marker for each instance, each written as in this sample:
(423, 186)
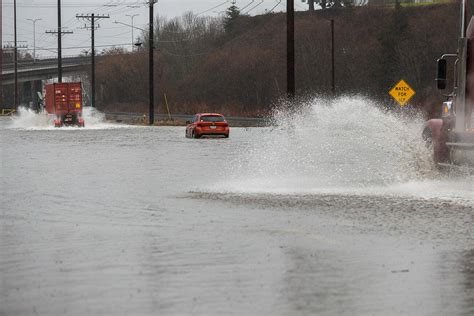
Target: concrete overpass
(32, 73)
(43, 69)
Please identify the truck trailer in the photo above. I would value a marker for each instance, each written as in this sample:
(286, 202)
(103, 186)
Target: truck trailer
(452, 135)
(64, 102)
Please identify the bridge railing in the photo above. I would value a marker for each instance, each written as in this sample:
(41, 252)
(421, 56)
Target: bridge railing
(22, 64)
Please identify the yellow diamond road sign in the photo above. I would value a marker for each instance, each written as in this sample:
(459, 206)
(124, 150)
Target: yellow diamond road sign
(402, 92)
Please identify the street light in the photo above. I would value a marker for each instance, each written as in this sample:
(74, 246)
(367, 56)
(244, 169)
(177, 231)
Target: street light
(137, 44)
(34, 37)
(132, 16)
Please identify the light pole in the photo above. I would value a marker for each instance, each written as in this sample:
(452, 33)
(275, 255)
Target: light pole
(34, 37)
(132, 16)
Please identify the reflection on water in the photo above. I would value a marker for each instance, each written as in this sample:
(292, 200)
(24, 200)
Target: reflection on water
(342, 216)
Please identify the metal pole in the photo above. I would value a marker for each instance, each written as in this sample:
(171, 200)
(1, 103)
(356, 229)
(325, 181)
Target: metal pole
(132, 16)
(92, 17)
(1, 60)
(15, 58)
(333, 75)
(151, 114)
(463, 18)
(34, 37)
(290, 48)
(60, 70)
(93, 60)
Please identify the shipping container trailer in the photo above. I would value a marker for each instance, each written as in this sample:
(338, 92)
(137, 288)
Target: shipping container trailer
(64, 100)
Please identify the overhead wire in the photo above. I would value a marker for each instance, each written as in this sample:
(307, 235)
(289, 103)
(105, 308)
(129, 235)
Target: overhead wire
(246, 6)
(65, 5)
(71, 22)
(120, 7)
(258, 4)
(101, 10)
(217, 6)
(82, 47)
(276, 5)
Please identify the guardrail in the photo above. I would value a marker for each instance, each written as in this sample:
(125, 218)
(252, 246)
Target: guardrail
(49, 61)
(7, 112)
(141, 118)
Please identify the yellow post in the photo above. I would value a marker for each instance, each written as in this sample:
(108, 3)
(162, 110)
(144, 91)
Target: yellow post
(167, 107)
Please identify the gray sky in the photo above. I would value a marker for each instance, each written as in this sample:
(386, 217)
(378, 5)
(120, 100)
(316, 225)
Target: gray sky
(108, 33)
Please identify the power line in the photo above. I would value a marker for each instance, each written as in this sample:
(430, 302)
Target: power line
(258, 4)
(219, 5)
(68, 5)
(246, 6)
(276, 5)
(54, 49)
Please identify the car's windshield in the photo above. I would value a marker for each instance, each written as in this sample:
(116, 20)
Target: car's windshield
(212, 118)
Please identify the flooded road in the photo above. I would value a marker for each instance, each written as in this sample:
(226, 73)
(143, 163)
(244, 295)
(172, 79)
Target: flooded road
(342, 215)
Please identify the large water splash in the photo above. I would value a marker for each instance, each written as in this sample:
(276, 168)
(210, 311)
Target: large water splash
(349, 145)
(30, 120)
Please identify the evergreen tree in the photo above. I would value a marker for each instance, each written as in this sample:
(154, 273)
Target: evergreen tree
(231, 15)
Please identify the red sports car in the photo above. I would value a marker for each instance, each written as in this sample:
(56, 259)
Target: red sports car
(207, 124)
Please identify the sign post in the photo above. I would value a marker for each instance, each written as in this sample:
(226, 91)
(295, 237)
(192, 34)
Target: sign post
(402, 92)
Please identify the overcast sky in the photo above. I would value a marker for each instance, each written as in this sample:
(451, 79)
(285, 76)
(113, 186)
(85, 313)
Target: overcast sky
(108, 33)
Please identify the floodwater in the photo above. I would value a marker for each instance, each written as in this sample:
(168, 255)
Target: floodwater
(332, 210)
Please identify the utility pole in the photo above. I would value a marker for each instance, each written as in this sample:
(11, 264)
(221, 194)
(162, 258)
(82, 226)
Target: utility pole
(60, 61)
(92, 18)
(34, 37)
(15, 58)
(333, 74)
(311, 5)
(290, 48)
(59, 33)
(132, 16)
(1, 62)
(151, 114)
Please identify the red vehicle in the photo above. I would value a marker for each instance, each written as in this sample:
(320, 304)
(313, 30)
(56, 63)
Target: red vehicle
(64, 100)
(207, 124)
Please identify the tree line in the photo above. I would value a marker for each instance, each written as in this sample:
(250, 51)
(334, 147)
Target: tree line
(236, 64)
